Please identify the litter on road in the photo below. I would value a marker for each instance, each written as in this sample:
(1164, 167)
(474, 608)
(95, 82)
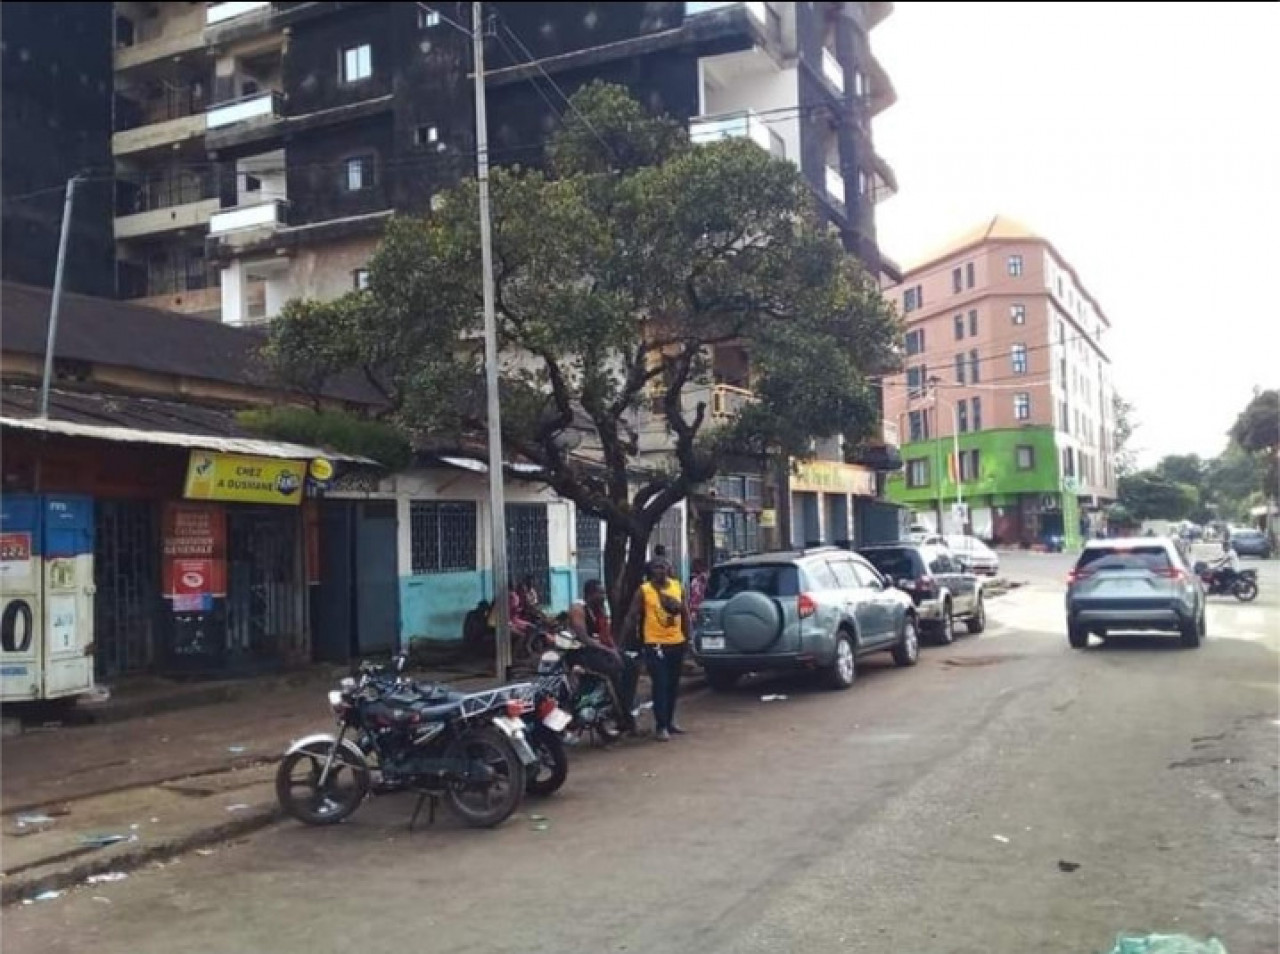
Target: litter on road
(103, 840)
(1068, 866)
(238, 807)
(775, 697)
(35, 819)
(107, 878)
(44, 896)
(1166, 944)
(1001, 838)
(235, 749)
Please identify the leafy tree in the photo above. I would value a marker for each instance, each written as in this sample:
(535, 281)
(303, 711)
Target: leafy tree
(617, 274)
(1232, 481)
(1149, 496)
(1182, 469)
(1125, 425)
(1257, 431)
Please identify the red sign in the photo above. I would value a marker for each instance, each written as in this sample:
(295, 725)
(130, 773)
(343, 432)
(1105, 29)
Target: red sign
(195, 550)
(15, 546)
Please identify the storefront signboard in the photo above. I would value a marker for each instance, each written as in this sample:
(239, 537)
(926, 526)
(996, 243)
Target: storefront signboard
(238, 479)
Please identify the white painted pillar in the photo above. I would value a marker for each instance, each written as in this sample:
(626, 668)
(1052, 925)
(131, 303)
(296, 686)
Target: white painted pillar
(234, 304)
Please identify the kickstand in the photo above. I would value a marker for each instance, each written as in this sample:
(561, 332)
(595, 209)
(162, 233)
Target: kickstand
(417, 809)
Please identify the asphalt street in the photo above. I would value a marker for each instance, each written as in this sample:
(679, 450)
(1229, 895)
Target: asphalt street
(1008, 794)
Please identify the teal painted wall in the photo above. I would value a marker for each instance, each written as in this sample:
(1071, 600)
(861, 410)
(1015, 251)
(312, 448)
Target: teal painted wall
(998, 466)
(433, 606)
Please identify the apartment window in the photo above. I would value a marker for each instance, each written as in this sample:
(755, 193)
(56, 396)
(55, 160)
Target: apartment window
(973, 367)
(917, 381)
(1071, 462)
(1026, 457)
(360, 173)
(1015, 266)
(912, 299)
(959, 322)
(357, 63)
(360, 279)
(962, 416)
(970, 465)
(1018, 313)
(956, 280)
(918, 472)
(968, 275)
(442, 536)
(976, 413)
(960, 367)
(428, 18)
(918, 426)
(915, 341)
(426, 135)
(1022, 406)
(973, 322)
(1018, 355)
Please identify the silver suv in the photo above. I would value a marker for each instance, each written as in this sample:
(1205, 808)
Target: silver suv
(1134, 584)
(818, 609)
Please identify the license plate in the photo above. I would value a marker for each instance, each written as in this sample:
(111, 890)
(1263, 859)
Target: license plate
(512, 728)
(713, 642)
(557, 720)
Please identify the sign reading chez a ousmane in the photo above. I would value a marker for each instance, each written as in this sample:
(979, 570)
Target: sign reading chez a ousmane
(240, 479)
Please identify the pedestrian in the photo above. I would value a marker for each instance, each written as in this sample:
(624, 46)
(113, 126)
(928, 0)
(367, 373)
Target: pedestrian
(663, 620)
(589, 620)
(698, 586)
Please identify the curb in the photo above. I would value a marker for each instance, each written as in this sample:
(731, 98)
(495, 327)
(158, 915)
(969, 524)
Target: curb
(20, 886)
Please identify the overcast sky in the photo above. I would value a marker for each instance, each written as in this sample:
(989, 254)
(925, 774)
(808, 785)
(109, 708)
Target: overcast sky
(1144, 142)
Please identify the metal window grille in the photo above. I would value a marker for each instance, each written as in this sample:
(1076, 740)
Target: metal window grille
(442, 536)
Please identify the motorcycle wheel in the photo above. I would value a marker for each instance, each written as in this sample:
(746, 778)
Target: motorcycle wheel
(552, 769)
(486, 804)
(1246, 591)
(343, 791)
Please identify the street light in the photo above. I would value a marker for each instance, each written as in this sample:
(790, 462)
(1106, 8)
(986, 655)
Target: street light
(955, 448)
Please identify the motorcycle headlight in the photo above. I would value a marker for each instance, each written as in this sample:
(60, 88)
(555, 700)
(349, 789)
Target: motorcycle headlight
(548, 662)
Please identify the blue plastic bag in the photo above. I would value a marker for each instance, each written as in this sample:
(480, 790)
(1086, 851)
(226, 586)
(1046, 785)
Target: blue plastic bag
(1166, 944)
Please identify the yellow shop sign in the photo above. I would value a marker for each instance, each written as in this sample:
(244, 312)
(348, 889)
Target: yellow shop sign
(833, 477)
(230, 477)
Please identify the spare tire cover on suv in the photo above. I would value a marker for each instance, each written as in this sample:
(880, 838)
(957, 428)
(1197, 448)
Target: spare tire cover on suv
(751, 622)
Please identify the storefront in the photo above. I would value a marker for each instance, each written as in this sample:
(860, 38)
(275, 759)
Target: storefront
(201, 555)
(825, 500)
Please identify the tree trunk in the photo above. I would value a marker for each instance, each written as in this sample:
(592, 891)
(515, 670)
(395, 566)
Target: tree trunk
(625, 556)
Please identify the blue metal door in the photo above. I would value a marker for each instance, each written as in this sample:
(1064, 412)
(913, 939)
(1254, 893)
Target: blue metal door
(377, 578)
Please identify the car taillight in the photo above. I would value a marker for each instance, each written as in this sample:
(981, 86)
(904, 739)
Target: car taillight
(546, 707)
(1075, 576)
(1172, 573)
(516, 708)
(806, 605)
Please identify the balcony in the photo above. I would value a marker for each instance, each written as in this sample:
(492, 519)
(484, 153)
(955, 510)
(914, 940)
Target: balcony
(166, 120)
(261, 215)
(743, 124)
(757, 9)
(165, 205)
(216, 14)
(832, 70)
(728, 401)
(176, 32)
(835, 185)
(257, 109)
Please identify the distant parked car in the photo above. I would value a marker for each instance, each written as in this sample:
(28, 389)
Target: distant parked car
(940, 588)
(818, 609)
(975, 555)
(1135, 583)
(1249, 542)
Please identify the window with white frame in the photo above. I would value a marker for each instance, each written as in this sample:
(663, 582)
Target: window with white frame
(960, 367)
(357, 63)
(1015, 266)
(442, 536)
(968, 275)
(918, 472)
(962, 416)
(360, 173)
(1018, 357)
(974, 363)
(1022, 406)
(1018, 313)
(976, 403)
(970, 465)
(912, 299)
(1026, 456)
(915, 341)
(973, 322)
(360, 279)
(918, 426)
(428, 18)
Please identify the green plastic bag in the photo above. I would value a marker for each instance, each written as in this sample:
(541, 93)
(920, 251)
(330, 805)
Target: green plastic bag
(1166, 944)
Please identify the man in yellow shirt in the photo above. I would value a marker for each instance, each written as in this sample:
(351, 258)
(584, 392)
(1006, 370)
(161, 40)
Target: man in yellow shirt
(663, 617)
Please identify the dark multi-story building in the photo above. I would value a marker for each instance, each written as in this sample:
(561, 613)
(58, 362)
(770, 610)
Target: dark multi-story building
(56, 116)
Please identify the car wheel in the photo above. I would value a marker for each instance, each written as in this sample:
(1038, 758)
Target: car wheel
(845, 668)
(1078, 636)
(721, 680)
(978, 621)
(946, 628)
(1191, 634)
(907, 651)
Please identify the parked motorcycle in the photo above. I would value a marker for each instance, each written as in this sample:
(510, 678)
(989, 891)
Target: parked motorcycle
(470, 749)
(545, 724)
(587, 696)
(1217, 582)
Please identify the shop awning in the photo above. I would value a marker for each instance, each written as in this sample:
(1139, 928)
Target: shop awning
(480, 467)
(252, 447)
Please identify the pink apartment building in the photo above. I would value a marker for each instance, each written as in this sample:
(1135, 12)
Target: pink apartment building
(1006, 357)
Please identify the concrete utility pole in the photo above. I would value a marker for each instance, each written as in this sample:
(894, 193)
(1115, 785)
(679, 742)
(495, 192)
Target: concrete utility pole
(497, 501)
(55, 304)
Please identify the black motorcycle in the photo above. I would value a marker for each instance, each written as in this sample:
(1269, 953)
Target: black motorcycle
(587, 696)
(1243, 585)
(545, 724)
(470, 749)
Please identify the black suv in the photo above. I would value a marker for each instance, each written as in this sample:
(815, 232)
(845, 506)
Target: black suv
(938, 582)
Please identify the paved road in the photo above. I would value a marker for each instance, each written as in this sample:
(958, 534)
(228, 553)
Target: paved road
(925, 810)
